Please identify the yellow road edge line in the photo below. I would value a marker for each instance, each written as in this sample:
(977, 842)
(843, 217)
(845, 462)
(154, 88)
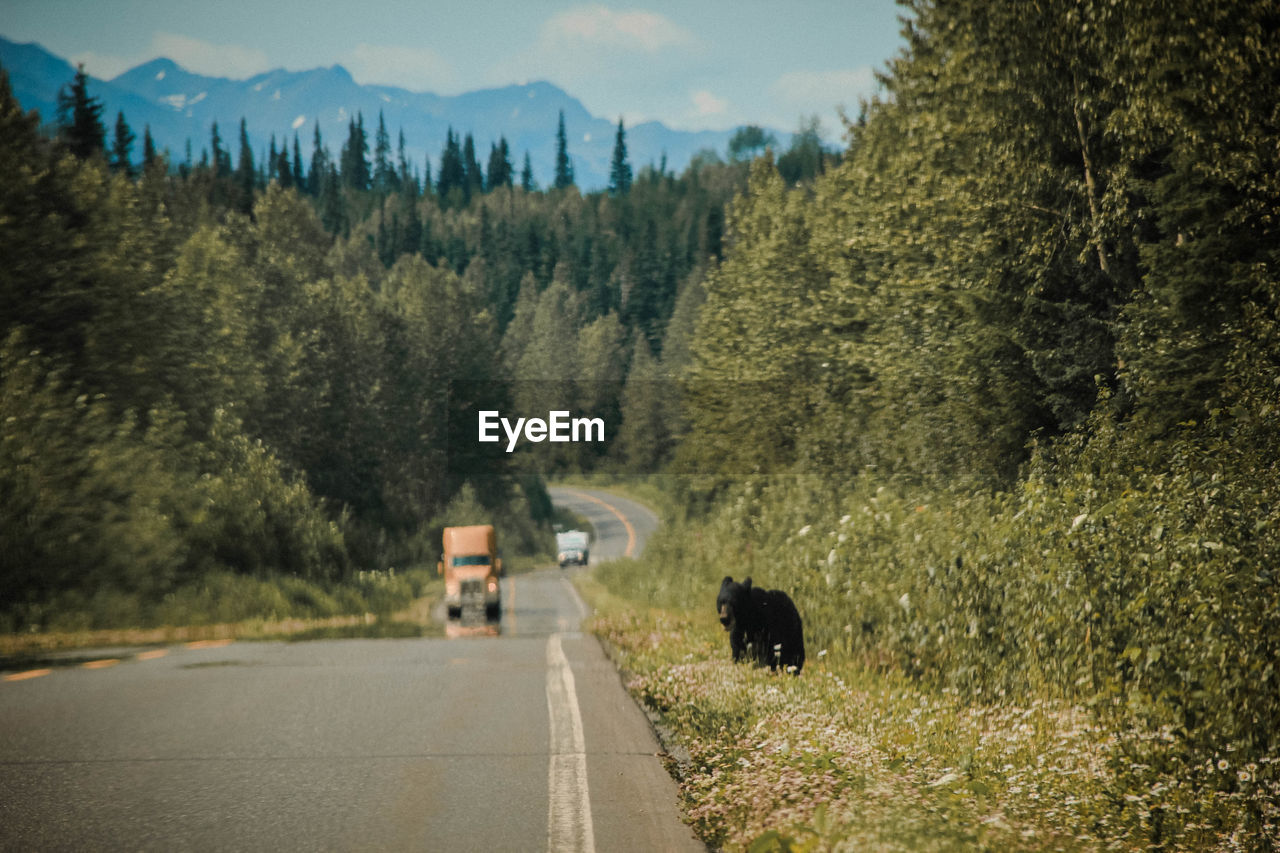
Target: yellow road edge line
(153, 654)
(100, 664)
(24, 676)
(631, 531)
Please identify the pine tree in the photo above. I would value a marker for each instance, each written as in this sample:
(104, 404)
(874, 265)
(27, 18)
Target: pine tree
(80, 124)
(319, 165)
(273, 160)
(355, 155)
(527, 183)
(564, 168)
(384, 176)
(474, 178)
(500, 171)
(299, 180)
(404, 177)
(452, 174)
(246, 176)
(284, 171)
(149, 156)
(122, 147)
(220, 157)
(620, 169)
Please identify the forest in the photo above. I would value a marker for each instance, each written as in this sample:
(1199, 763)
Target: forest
(224, 376)
(993, 392)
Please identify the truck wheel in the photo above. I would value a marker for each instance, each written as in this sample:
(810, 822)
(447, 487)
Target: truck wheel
(493, 612)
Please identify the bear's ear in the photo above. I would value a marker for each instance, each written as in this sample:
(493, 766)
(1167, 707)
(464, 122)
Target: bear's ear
(747, 583)
(727, 580)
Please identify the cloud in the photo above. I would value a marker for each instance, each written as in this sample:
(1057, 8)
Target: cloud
(706, 104)
(416, 69)
(195, 55)
(213, 60)
(631, 62)
(104, 66)
(821, 91)
(636, 30)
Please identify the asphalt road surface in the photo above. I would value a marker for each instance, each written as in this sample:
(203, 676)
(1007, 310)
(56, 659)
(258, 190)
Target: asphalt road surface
(523, 740)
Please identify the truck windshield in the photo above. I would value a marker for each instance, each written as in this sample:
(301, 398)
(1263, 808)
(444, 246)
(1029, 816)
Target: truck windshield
(472, 560)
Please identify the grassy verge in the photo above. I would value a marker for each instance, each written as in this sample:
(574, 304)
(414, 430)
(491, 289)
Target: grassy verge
(230, 607)
(846, 758)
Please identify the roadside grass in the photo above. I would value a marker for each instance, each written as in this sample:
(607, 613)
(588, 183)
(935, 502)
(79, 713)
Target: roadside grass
(373, 604)
(845, 758)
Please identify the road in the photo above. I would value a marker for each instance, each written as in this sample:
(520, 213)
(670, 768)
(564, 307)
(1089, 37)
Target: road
(521, 741)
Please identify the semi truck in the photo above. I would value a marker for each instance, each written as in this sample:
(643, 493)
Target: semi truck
(471, 568)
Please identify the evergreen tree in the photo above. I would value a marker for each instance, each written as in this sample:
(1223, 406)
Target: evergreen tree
(355, 155)
(404, 177)
(149, 155)
(221, 157)
(620, 168)
(806, 158)
(80, 124)
(564, 167)
(299, 180)
(384, 176)
(451, 182)
(644, 438)
(122, 147)
(271, 167)
(500, 171)
(246, 176)
(319, 164)
(284, 171)
(527, 183)
(474, 182)
(748, 142)
(333, 212)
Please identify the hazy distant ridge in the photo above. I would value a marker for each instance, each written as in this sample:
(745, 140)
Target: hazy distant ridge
(179, 105)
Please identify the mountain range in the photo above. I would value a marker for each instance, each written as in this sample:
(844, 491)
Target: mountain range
(179, 106)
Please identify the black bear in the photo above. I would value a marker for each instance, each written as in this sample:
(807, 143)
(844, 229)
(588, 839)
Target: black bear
(762, 623)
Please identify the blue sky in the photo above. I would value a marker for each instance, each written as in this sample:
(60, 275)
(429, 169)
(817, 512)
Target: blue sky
(692, 65)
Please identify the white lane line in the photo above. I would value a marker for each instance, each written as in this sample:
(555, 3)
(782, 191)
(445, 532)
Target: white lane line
(569, 810)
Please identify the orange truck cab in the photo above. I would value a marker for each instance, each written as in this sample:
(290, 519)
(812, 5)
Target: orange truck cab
(471, 567)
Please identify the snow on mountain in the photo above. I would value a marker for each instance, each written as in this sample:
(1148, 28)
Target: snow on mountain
(180, 106)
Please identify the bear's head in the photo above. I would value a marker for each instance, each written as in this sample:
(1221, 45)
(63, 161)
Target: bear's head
(733, 601)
